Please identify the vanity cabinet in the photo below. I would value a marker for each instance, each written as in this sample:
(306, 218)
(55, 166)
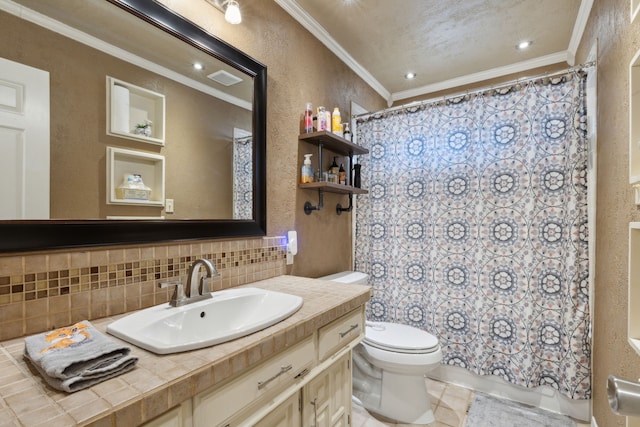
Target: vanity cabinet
(327, 398)
(180, 416)
(298, 387)
(247, 393)
(286, 415)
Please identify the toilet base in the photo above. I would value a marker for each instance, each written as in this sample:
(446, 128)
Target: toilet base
(405, 399)
(393, 389)
(399, 397)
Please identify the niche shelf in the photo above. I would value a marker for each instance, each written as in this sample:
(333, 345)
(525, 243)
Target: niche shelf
(129, 105)
(633, 298)
(340, 146)
(634, 125)
(150, 166)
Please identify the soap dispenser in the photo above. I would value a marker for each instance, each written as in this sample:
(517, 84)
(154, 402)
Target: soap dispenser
(306, 175)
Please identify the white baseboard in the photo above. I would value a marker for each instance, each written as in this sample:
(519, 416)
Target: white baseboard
(541, 397)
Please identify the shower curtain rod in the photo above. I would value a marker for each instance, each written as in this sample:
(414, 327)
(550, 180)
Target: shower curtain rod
(415, 104)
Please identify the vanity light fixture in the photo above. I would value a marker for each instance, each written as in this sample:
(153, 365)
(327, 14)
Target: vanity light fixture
(232, 13)
(230, 8)
(524, 45)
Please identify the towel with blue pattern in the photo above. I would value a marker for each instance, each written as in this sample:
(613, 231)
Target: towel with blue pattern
(78, 356)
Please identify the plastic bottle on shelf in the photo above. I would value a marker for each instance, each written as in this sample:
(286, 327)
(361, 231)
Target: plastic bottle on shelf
(342, 175)
(346, 134)
(334, 168)
(336, 122)
(307, 121)
(322, 119)
(357, 179)
(306, 174)
(327, 115)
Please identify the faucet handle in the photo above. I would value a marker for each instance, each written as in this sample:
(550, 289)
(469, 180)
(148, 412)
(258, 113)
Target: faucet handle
(178, 298)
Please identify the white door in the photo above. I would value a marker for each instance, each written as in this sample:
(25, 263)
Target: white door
(24, 141)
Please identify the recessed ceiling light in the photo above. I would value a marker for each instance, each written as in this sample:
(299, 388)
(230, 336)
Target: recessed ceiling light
(410, 76)
(198, 66)
(524, 44)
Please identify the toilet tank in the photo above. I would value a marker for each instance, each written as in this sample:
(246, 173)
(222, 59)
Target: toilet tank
(350, 277)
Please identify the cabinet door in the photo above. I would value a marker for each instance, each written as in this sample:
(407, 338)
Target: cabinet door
(327, 398)
(285, 415)
(180, 416)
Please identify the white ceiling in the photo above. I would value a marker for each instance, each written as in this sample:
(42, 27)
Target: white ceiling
(447, 43)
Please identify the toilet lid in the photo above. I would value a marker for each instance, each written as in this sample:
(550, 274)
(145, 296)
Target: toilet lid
(399, 338)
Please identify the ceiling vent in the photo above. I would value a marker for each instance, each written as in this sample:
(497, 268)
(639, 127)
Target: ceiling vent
(224, 78)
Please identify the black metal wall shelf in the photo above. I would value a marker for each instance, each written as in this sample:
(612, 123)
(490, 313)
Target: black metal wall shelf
(338, 145)
(333, 142)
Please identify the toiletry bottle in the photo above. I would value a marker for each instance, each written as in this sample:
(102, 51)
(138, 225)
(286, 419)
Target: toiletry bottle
(327, 114)
(334, 168)
(307, 171)
(322, 119)
(308, 119)
(346, 134)
(336, 122)
(342, 175)
(357, 179)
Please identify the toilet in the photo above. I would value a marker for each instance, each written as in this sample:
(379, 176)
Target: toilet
(390, 364)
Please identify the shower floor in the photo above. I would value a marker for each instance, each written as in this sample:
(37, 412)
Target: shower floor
(450, 406)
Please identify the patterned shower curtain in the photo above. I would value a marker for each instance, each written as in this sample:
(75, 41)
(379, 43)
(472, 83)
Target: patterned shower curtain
(243, 178)
(475, 229)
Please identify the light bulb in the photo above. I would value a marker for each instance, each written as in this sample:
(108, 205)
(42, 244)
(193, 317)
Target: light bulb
(232, 13)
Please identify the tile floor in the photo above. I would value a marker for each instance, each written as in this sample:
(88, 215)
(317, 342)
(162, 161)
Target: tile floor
(450, 405)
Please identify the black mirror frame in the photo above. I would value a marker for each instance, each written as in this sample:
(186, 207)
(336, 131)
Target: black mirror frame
(38, 235)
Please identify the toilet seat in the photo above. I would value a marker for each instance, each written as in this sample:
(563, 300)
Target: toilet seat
(399, 338)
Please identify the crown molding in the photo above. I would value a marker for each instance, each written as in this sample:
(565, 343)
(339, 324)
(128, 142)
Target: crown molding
(493, 73)
(578, 30)
(318, 31)
(568, 56)
(94, 42)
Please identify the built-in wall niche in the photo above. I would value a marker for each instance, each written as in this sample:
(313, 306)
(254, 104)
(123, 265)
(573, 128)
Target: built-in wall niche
(634, 125)
(633, 317)
(635, 8)
(122, 165)
(134, 112)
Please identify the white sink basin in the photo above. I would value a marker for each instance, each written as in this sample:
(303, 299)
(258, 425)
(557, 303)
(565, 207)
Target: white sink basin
(228, 315)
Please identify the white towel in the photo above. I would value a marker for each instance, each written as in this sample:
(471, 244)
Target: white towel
(77, 356)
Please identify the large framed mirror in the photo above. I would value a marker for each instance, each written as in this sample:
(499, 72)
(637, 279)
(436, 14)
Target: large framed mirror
(126, 105)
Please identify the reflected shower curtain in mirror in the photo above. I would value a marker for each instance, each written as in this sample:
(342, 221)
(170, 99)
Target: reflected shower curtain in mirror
(475, 229)
(243, 178)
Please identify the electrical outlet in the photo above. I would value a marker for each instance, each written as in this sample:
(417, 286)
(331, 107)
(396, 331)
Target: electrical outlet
(168, 206)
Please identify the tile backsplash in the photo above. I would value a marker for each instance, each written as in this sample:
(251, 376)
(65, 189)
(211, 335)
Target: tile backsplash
(43, 291)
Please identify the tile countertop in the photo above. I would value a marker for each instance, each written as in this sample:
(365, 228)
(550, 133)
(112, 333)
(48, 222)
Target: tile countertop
(161, 382)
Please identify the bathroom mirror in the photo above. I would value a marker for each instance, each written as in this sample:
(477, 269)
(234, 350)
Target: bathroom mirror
(181, 43)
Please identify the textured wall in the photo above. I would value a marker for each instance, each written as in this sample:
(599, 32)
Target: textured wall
(300, 69)
(617, 42)
(78, 137)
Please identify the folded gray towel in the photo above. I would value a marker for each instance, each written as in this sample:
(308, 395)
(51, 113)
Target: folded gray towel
(78, 356)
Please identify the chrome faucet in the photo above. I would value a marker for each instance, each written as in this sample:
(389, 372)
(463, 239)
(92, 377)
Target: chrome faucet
(193, 291)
